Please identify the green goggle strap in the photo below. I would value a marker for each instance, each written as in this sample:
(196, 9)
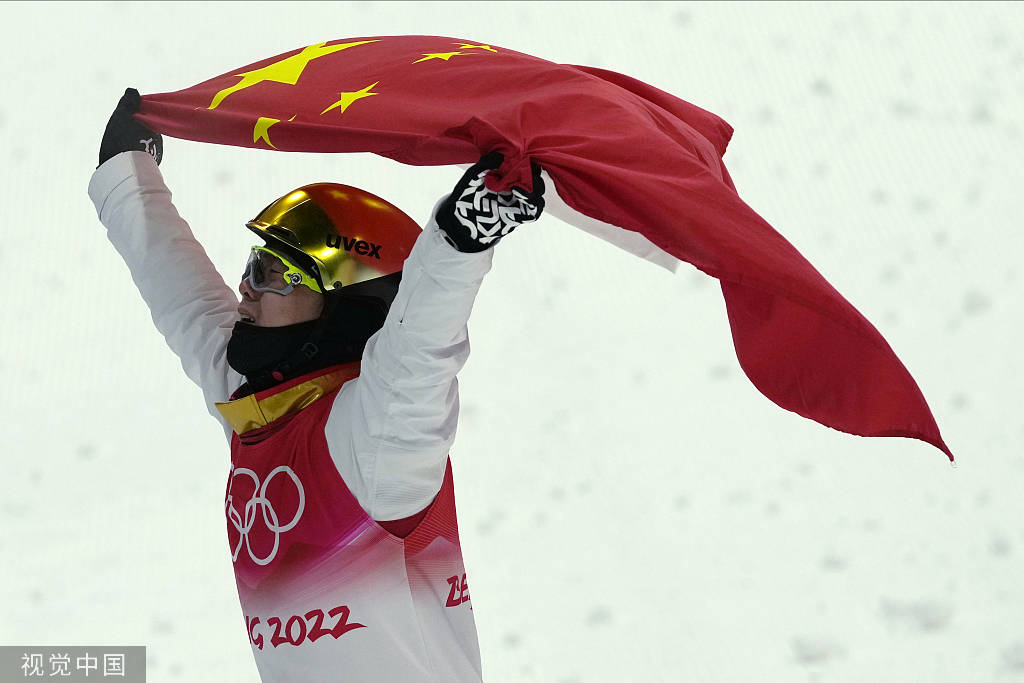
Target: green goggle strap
(294, 275)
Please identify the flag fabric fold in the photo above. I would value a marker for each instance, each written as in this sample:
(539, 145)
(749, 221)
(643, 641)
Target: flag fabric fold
(640, 162)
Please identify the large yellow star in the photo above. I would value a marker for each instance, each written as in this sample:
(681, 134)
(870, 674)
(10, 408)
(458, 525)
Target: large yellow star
(348, 98)
(439, 55)
(261, 131)
(464, 46)
(285, 71)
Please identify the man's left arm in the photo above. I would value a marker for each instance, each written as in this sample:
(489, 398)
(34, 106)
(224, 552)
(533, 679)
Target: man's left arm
(390, 430)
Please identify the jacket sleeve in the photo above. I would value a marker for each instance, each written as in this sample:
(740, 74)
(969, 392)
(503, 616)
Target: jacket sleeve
(191, 305)
(390, 430)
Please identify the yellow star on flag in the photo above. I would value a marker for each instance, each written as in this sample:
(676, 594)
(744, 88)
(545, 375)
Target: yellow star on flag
(464, 46)
(348, 98)
(438, 55)
(286, 71)
(261, 131)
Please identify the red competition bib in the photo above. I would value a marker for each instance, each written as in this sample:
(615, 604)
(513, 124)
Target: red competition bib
(327, 593)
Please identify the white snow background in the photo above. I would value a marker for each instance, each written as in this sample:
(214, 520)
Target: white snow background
(631, 508)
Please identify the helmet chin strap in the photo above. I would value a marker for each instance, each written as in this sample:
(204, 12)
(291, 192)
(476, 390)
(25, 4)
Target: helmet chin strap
(305, 353)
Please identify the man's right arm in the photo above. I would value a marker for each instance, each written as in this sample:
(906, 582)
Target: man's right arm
(191, 305)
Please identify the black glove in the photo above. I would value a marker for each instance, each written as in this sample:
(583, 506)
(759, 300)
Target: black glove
(125, 134)
(474, 218)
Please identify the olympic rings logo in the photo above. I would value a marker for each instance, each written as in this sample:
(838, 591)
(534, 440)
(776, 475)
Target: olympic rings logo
(259, 499)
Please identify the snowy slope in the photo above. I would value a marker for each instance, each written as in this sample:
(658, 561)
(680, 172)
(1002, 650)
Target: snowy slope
(632, 509)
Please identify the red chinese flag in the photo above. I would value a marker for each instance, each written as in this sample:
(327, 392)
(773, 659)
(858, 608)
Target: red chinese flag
(618, 151)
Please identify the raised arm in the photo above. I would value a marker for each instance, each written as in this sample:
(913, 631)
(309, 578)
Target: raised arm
(190, 304)
(391, 429)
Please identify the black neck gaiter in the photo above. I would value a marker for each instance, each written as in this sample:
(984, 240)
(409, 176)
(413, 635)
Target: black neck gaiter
(253, 350)
(267, 356)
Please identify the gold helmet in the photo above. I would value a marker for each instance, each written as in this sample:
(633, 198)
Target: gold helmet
(339, 234)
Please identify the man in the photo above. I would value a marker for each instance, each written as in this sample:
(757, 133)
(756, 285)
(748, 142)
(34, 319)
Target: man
(335, 381)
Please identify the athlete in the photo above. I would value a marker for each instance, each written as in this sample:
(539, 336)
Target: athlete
(335, 381)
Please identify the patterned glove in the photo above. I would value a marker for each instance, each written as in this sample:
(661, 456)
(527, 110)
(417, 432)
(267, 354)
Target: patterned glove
(474, 218)
(125, 134)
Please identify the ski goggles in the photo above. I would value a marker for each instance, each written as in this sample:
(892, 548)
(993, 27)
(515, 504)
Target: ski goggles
(263, 271)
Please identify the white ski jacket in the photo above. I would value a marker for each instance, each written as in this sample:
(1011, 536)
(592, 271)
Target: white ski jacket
(390, 430)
